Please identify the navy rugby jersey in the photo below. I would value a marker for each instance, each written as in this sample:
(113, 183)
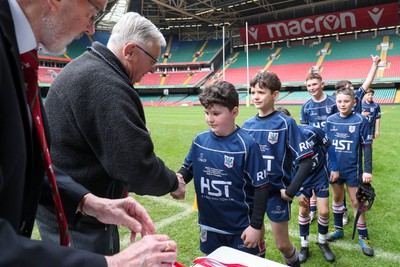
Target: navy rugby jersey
(348, 135)
(319, 141)
(374, 113)
(359, 95)
(315, 113)
(226, 170)
(281, 143)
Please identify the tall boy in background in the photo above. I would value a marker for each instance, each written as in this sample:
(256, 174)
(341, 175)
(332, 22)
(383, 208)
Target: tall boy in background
(229, 177)
(314, 112)
(281, 144)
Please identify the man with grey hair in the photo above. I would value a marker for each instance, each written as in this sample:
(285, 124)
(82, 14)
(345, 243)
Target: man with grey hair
(98, 130)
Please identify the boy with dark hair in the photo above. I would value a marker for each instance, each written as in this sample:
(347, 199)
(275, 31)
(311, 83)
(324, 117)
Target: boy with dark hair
(318, 182)
(281, 144)
(229, 177)
(372, 111)
(351, 136)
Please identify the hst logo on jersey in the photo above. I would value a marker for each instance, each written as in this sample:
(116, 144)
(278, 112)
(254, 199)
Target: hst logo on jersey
(215, 188)
(343, 145)
(352, 128)
(228, 161)
(273, 137)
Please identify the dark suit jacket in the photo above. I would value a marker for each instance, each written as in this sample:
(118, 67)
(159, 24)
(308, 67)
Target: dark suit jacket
(22, 173)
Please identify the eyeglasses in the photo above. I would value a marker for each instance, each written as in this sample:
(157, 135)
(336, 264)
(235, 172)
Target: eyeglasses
(148, 54)
(100, 13)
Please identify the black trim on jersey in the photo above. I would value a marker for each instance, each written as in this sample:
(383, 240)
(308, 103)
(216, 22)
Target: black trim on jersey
(304, 169)
(266, 116)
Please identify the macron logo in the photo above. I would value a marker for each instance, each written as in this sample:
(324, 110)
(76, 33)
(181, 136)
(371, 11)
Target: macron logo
(376, 14)
(254, 33)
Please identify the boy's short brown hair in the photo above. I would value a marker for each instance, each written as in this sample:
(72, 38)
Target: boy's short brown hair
(314, 76)
(220, 93)
(266, 80)
(345, 91)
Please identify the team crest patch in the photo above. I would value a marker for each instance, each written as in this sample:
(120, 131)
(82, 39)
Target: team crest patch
(273, 137)
(228, 161)
(352, 128)
(328, 110)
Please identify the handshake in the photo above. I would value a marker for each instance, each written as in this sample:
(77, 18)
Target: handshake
(180, 192)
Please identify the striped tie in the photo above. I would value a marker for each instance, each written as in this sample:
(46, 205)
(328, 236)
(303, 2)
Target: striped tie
(30, 66)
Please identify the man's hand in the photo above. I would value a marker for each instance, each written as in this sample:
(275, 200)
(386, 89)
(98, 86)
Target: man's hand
(125, 211)
(152, 250)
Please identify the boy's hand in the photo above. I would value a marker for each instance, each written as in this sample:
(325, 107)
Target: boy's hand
(180, 192)
(367, 178)
(334, 176)
(284, 196)
(376, 59)
(303, 200)
(251, 237)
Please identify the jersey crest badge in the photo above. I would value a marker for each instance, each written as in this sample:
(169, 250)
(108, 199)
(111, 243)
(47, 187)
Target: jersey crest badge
(352, 128)
(273, 137)
(228, 161)
(328, 110)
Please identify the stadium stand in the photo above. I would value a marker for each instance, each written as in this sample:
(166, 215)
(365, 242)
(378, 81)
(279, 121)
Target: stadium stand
(190, 65)
(46, 75)
(385, 95)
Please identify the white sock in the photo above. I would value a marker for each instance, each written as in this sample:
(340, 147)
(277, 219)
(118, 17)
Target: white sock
(321, 238)
(304, 241)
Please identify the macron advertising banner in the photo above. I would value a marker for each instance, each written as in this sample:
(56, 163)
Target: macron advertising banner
(348, 20)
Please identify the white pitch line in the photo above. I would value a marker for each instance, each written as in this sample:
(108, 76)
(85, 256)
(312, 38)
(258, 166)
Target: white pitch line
(188, 209)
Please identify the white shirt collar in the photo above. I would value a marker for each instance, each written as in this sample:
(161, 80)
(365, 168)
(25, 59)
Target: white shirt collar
(25, 38)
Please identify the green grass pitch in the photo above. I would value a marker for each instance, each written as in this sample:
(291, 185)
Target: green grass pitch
(172, 130)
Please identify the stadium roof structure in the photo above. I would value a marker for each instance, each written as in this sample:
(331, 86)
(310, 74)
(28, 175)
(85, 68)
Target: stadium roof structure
(204, 19)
